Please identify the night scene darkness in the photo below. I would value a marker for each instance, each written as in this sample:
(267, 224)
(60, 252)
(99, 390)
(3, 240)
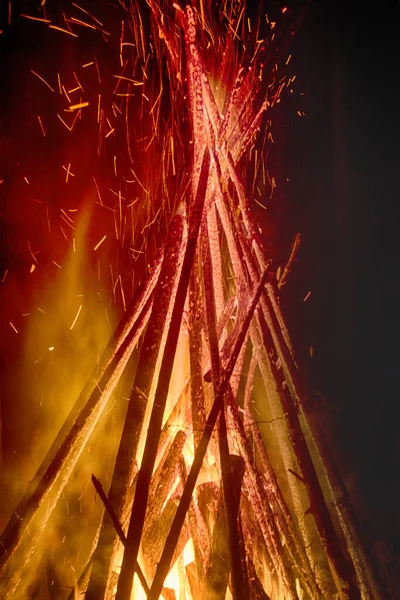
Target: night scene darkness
(74, 248)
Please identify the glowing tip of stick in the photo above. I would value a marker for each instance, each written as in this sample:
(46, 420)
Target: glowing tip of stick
(80, 105)
(76, 318)
(99, 243)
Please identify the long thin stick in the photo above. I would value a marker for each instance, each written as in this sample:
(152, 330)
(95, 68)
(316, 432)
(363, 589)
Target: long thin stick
(154, 430)
(55, 470)
(177, 524)
(196, 375)
(231, 516)
(118, 528)
(341, 571)
(369, 580)
(100, 579)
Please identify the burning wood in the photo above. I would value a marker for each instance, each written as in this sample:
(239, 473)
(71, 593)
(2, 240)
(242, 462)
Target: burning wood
(218, 565)
(201, 500)
(125, 462)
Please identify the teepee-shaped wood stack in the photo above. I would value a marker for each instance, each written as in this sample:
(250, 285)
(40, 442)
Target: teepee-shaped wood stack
(222, 485)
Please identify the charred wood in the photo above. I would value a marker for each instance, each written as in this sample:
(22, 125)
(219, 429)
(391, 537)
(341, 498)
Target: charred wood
(150, 451)
(218, 564)
(126, 456)
(187, 494)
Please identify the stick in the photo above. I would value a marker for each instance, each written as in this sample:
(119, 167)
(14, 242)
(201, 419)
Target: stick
(340, 569)
(368, 576)
(146, 370)
(233, 536)
(218, 564)
(196, 375)
(154, 430)
(118, 528)
(56, 468)
(289, 264)
(173, 535)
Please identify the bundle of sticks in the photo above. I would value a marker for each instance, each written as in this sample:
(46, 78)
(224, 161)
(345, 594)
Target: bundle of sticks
(199, 487)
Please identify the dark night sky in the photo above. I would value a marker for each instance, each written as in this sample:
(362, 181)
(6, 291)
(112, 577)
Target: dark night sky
(342, 161)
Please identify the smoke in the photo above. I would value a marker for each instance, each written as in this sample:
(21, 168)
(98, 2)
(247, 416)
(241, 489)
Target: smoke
(68, 326)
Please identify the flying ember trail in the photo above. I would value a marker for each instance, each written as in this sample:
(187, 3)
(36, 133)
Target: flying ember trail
(182, 457)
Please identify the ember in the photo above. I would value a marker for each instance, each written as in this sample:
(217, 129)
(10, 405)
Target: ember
(219, 483)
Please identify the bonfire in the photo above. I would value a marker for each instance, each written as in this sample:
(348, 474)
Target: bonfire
(219, 483)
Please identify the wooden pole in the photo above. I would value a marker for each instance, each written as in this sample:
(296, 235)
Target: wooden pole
(274, 494)
(195, 354)
(369, 580)
(238, 591)
(154, 430)
(118, 528)
(125, 463)
(59, 462)
(183, 507)
(218, 564)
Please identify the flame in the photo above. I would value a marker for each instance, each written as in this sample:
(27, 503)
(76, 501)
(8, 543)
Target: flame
(176, 579)
(66, 328)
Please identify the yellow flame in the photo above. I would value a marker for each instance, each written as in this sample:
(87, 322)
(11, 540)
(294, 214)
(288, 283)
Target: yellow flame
(61, 348)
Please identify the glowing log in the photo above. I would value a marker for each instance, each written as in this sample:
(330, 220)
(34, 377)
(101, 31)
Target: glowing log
(256, 587)
(271, 486)
(275, 523)
(32, 513)
(258, 558)
(160, 490)
(369, 581)
(154, 537)
(218, 565)
(154, 430)
(238, 591)
(199, 535)
(184, 504)
(120, 498)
